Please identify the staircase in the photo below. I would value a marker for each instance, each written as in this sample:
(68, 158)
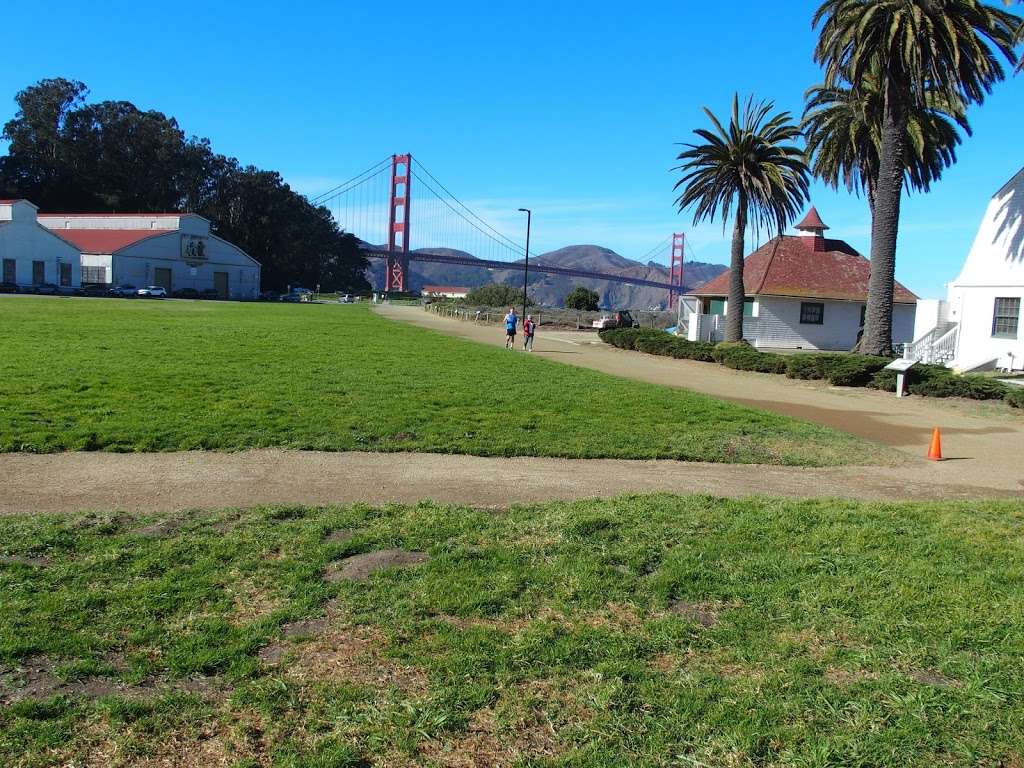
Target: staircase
(937, 347)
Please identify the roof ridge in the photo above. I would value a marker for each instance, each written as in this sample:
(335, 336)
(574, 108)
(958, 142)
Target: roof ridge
(768, 266)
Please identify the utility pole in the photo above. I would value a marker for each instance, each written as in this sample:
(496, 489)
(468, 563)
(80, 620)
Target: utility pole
(526, 268)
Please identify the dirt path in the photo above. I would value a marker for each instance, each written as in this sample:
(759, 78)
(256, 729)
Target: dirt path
(984, 443)
(163, 482)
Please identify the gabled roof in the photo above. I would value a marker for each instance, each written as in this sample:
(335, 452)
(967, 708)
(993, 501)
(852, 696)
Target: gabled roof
(787, 265)
(106, 241)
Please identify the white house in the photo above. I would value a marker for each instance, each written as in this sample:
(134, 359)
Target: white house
(803, 291)
(173, 250)
(978, 326)
(445, 291)
(29, 253)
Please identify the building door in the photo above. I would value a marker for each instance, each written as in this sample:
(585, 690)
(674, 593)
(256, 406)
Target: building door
(162, 277)
(38, 272)
(65, 274)
(220, 283)
(10, 271)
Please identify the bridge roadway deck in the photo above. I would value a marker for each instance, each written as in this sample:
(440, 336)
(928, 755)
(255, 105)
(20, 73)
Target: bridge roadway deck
(469, 261)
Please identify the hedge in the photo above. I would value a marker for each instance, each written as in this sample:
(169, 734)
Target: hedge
(838, 370)
(743, 357)
(939, 381)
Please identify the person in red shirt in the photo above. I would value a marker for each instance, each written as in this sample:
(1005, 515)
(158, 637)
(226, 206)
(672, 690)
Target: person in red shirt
(529, 328)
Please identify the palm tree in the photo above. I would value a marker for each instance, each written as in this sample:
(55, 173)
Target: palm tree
(911, 46)
(752, 168)
(843, 126)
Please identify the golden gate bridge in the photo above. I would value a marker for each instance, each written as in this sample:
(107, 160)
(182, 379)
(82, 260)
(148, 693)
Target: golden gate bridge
(376, 207)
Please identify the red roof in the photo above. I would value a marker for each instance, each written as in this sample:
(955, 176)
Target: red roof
(106, 240)
(789, 266)
(812, 221)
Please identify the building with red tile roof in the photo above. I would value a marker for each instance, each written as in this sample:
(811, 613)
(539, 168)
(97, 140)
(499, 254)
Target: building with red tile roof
(803, 291)
(176, 251)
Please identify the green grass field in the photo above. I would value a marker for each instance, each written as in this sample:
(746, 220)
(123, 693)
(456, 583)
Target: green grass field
(80, 374)
(640, 631)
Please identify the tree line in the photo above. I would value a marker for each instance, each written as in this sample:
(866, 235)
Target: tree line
(68, 155)
(899, 76)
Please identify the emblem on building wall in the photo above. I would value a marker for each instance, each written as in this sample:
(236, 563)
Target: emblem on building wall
(193, 250)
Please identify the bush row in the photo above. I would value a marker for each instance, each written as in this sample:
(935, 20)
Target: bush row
(838, 370)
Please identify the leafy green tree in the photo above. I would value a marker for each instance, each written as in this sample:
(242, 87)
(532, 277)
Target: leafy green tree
(69, 155)
(949, 48)
(497, 295)
(843, 127)
(582, 298)
(751, 170)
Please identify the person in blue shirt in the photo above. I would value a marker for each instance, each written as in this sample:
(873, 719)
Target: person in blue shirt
(511, 322)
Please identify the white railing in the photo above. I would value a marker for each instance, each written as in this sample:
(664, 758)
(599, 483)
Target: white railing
(938, 346)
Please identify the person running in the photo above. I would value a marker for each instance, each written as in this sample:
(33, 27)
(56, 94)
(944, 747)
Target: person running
(511, 321)
(529, 328)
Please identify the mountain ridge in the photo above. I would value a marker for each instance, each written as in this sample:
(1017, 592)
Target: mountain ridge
(551, 289)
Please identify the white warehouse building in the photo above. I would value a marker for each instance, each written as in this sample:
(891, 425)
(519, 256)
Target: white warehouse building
(31, 255)
(174, 250)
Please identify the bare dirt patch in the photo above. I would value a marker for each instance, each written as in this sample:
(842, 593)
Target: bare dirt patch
(162, 529)
(340, 536)
(933, 678)
(35, 562)
(705, 614)
(361, 567)
(34, 678)
(844, 677)
(353, 654)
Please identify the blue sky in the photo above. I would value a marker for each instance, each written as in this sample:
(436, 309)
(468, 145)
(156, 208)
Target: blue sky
(575, 113)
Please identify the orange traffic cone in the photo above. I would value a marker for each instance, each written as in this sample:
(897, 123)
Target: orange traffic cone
(935, 449)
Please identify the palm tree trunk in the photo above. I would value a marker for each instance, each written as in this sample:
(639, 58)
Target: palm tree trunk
(734, 313)
(885, 222)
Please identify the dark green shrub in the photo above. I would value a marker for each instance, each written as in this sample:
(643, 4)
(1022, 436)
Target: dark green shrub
(969, 385)
(806, 366)
(743, 357)
(840, 370)
(655, 345)
(1015, 396)
(939, 381)
(853, 370)
(693, 350)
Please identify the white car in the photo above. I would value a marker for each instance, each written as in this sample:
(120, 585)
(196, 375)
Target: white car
(153, 291)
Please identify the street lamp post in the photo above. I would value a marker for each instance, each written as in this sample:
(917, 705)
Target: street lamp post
(526, 268)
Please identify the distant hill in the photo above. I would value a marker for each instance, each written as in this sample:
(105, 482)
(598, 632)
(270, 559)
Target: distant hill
(552, 289)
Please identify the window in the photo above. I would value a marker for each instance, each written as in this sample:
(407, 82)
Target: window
(10, 268)
(716, 306)
(1006, 318)
(812, 313)
(38, 272)
(94, 274)
(65, 274)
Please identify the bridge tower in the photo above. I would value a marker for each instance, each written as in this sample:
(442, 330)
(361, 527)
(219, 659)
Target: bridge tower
(676, 270)
(397, 265)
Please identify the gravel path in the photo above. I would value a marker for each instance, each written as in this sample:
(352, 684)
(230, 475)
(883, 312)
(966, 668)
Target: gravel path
(164, 482)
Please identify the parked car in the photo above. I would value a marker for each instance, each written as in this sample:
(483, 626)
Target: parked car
(8, 287)
(68, 290)
(153, 292)
(269, 296)
(124, 291)
(292, 298)
(346, 298)
(45, 289)
(619, 320)
(209, 293)
(95, 290)
(186, 293)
